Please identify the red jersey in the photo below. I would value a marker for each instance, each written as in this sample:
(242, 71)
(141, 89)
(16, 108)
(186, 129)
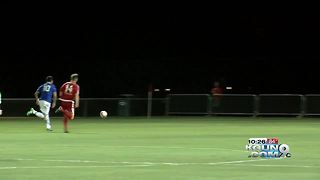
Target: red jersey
(217, 91)
(69, 90)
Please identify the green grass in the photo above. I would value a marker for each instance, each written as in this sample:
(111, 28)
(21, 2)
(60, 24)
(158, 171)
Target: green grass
(139, 148)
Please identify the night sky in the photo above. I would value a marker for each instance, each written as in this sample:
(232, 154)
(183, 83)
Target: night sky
(187, 53)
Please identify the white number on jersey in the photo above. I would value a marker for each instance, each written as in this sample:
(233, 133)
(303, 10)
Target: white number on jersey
(69, 89)
(46, 88)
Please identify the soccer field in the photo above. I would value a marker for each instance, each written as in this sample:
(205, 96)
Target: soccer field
(178, 148)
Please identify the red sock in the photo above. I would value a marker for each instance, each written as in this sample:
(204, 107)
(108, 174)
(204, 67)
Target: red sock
(65, 123)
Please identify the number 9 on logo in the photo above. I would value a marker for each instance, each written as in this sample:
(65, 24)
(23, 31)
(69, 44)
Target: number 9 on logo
(284, 150)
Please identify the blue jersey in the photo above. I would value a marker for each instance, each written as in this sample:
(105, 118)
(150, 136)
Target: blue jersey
(46, 91)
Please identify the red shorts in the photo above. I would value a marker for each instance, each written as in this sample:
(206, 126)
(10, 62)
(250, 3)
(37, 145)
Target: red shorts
(68, 106)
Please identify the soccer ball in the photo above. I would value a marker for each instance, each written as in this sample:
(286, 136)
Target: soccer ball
(103, 114)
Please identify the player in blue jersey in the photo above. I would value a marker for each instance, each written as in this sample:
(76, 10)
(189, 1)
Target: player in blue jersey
(45, 94)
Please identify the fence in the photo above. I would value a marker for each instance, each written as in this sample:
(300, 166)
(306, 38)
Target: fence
(186, 104)
(90, 107)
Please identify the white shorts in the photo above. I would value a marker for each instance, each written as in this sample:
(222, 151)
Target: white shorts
(44, 107)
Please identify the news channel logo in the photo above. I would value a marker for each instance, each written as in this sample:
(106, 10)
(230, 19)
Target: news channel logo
(267, 148)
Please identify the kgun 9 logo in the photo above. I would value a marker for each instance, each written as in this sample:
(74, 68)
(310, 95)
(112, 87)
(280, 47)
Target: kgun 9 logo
(267, 148)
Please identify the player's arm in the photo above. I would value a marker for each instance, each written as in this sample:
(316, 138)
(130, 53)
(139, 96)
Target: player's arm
(54, 100)
(77, 99)
(0, 105)
(54, 96)
(36, 95)
(62, 89)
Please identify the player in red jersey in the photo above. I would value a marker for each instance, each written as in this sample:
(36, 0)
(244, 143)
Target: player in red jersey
(217, 93)
(69, 97)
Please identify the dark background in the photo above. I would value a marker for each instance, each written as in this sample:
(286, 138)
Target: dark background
(187, 53)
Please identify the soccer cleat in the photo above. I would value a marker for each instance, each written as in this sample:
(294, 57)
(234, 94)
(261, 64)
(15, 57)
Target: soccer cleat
(30, 112)
(58, 110)
(49, 130)
(66, 131)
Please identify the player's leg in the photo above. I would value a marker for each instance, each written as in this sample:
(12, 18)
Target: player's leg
(70, 114)
(45, 109)
(48, 123)
(67, 113)
(38, 114)
(67, 116)
(62, 109)
(59, 109)
(65, 123)
(66, 109)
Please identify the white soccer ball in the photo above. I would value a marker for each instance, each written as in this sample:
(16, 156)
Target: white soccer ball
(103, 114)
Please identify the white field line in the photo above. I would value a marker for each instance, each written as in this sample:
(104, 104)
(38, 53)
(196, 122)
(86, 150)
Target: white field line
(145, 164)
(170, 147)
(49, 167)
(139, 165)
(277, 165)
